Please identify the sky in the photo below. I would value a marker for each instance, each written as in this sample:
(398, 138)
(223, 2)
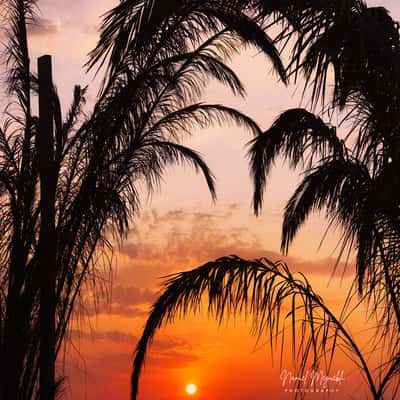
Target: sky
(180, 228)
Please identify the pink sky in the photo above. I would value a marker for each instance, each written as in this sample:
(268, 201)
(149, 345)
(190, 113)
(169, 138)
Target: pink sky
(181, 228)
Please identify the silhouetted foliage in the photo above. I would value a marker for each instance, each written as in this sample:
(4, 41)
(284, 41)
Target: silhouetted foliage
(354, 178)
(283, 306)
(103, 160)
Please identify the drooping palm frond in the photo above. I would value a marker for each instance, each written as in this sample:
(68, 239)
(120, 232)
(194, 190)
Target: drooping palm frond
(231, 285)
(141, 115)
(354, 47)
(296, 135)
(357, 195)
(131, 25)
(201, 115)
(136, 29)
(340, 185)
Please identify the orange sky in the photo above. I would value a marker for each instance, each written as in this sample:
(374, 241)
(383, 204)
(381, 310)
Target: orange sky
(180, 228)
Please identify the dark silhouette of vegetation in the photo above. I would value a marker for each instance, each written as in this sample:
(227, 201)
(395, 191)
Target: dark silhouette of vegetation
(231, 285)
(158, 57)
(354, 179)
(148, 103)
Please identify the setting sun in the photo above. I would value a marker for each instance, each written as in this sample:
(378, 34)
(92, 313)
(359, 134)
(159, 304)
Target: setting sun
(191, 389)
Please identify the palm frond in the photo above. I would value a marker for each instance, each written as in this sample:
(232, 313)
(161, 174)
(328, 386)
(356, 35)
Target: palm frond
(296, 135)
(201, 115)
(136, 29)
(340, 185)
(75, 110)
(21, 13)
(231, 285)
(354, 49)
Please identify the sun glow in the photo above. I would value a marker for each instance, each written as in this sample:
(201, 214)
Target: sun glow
(191, 389)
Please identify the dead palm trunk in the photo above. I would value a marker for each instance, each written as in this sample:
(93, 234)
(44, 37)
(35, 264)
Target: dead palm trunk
(47, 240)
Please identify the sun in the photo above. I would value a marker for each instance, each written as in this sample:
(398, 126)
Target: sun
(191, 389)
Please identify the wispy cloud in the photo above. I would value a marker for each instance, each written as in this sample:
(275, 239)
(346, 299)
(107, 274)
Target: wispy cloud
(183, 239)
(108, 336)
(124, 300)
(168, 352)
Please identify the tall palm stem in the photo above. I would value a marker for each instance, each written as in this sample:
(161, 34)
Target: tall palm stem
(47, 238)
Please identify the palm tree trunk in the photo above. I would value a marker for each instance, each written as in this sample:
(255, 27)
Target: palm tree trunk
(47, 241)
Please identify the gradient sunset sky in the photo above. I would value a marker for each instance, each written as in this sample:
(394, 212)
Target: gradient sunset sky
(180, 228)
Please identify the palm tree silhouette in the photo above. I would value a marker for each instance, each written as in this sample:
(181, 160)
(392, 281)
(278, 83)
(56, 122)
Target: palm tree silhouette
(353, 179)
(141, 28)
(147, 104)
(350, 177)
(232, 285)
